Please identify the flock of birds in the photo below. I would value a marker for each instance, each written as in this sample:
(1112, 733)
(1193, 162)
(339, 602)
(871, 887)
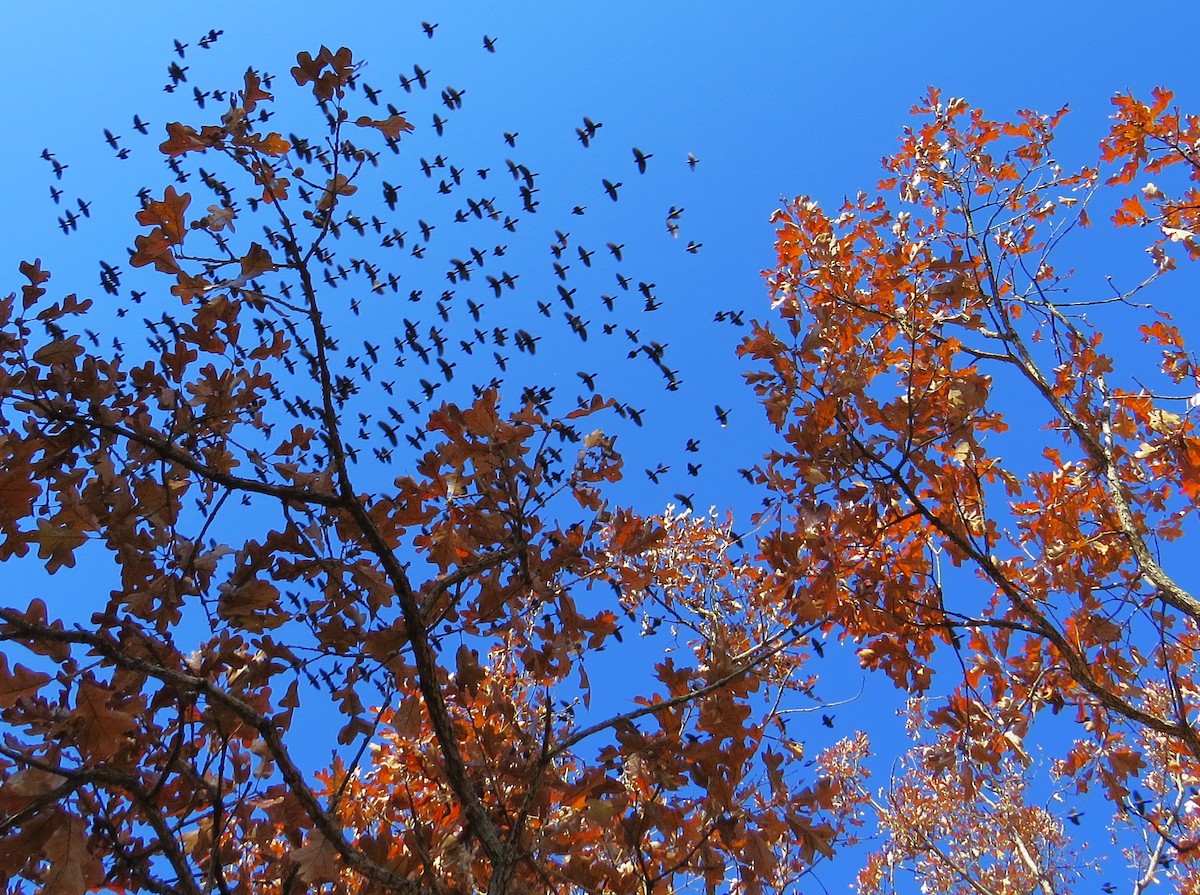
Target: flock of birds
(445, 330)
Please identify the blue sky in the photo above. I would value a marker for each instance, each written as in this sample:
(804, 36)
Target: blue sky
(775, 99)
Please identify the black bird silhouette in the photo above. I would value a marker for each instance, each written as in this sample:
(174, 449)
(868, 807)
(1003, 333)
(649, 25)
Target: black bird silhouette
(611, 188)
(429, 28)
(489, 44)
(140, 126)
(692, 161)
(639, 159)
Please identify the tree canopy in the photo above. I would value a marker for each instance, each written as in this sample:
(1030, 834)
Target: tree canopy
(320, 503)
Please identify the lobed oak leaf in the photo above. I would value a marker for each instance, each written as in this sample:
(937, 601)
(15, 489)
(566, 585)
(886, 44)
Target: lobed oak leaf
(596, 404)
(60, 352)
(1187, 453)
(341, 62)
(632, 534)
(256, 262)
(18, 683)
(338, 185)
(25, 787)
(306, 68)
(1131, 211)
(1125, 762)
(272, 144)
(182, 139)
(18, 491)
(167, 213)
(341, 65)
(601, 811)
(71, 304)
(188, 286)
(470, 674)
(36, 276)
(218, 218)
(36, 614)
(252, 605)
(57, 544)
(316, 862)
(100, 730)
(154, 248)
(391, 127)
(253, 93)
(812, 840)
(73, 869)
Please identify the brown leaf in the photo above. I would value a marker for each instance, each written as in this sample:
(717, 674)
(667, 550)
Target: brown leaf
(316, 862)
(19, 682)
(391, 127)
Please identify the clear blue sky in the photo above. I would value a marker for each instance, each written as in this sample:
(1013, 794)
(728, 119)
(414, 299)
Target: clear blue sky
(774, 98)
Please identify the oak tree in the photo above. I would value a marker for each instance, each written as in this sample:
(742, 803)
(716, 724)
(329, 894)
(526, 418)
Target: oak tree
(970, 484)
(286, 533)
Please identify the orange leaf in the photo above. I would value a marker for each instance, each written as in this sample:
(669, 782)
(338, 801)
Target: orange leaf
(181, 140)
(167, 214)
